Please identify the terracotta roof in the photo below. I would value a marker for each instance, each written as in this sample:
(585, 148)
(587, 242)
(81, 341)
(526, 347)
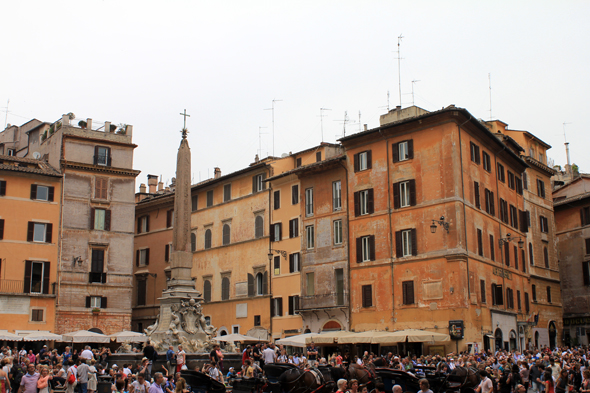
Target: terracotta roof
(310, 167)
(27, 165)
(571, 199)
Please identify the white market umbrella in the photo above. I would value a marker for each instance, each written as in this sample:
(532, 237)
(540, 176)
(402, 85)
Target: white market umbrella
(85, 336)
(6, 336)
(42, 336)
(328, 337)
(296, 341)
(411, 335)
(125, 335)
(238, 337)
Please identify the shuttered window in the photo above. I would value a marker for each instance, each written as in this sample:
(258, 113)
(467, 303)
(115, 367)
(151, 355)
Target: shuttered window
(208, 239)
(226, 192)
(293, 228)
(225, 288)
(585, 216)
(259, 226)
(527, 306)
(479, 243)
(408, 292)
(101, 187)
(492, 248)
(2, 187)
(194, 203)
(141, 291)
(362, 161)
(226, 234)
(403, 150)
(209, 198)
(497, 295)
(295, 194)
(363, 202)
(487, 165)
(474, 153)
(476, 194)
(365, 248)
(294, 262)
(501, 174)
(277, 199)
(541, 188)
(404, 194)
(586, 273)
(207, 291)
(367, 295)
(406, 243)
(482, 290)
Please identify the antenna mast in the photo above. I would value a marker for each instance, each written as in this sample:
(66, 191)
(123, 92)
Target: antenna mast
(260, 140)
(399, 71)
(322, 120)
(567, 150)
(273, 124)
(490, 83)
(6, 117)
(413, 82)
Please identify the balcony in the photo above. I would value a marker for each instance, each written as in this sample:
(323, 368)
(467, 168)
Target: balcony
(328, 300)
(17, 287)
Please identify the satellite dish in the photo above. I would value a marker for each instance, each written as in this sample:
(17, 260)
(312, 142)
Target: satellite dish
(284, 155)
(36, 155)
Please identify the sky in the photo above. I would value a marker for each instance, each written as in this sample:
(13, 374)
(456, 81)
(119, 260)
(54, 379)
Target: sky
(144, 62)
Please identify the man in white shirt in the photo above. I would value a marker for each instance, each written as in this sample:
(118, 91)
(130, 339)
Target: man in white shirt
(269, 355)
(486, 385)
(87, 353)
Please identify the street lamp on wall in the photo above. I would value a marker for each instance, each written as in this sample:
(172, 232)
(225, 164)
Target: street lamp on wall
(441, 223)
(508, 239)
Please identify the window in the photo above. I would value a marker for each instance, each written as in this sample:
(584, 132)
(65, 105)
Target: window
(507, 254)
(277, 199)
(365, 248)
(11, 152)
(513, 217)
(516, 257)
(97, 274)
(207, 291)
(482, 288)
(585, 215)
(527, 307)
(339, 279)
(404, 194)
(519, 186)
(546, 257)
(525, 181)
(310, 237)
(37, 315)
(294, 262)
(541, 157)
(102, 156)
(298, 162)
(226, 234)
(227, 192)
(100, 219)
(534, 292)
(367, 295)
(318, 156)
(276, 232)
(362, 161)
(194, 202)
(586, 241)
(490, 209)
(2, 187)
(531, 257)
(207, 239)
(209, 198)
(101, 186)
(37, 277)
(170, 218)
(141, 292)
(403, 151)
(548, 294)
(492, 248)
(310, 284)
(39, 232)
(503, 211)
(541, 188)
(258, 227)
(509, 298)
(476, 194)
(277, 265)
(260, 284)
(544, 224)
(193, 243)
(99, 301)
(518, 300)
(276, 307)
(474, 153)
(406, 243)
(363, 202)
(501, 174)
(487, 163)
(337, 195)
(408, 292)
(42, 193)
(523, 260)
(511, 181)
(293, 228)
(337, 232)
(479, 243)
(258, 183)
(1, 228)
(293, 305)
(143, 224)
(225, 288)
(309, 202)
(497, 295)
(256, 320)
(235, 329)
(586, 272)
(295, 194)
(142, 257)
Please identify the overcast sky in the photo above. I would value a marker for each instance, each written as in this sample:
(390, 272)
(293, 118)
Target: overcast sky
(143, 62)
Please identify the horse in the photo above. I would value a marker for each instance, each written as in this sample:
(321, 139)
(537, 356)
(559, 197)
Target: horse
(304, 381)
(463, 379)
(363, 375)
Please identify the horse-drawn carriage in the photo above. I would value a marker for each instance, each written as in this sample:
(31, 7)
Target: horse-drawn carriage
(459, 380)
(285, 377)
(198, 382)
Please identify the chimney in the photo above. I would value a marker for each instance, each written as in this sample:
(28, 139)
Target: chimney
(107, 126)
(160, 184)
(152, 183)
(365, 127)
(217, 173)
(89, 124)
(142, 188)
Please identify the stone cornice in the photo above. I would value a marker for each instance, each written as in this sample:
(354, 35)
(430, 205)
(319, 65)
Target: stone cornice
(539, 165)
(99, 168)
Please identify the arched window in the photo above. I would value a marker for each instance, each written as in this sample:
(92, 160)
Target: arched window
(207, 239)
(259, 284)
(546, 256)
(193, 242)
(207, 290)
(531, 258)
(225, 288)
(259, 227)
(226, 234)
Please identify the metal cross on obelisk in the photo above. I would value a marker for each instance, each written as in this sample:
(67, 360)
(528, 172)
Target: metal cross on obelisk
(184, 130)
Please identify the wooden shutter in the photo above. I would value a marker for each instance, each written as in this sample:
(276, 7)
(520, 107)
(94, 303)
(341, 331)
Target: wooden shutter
(479, 243)
(586, 273)
(506, 254)
(396, 200)
(92, 215)
(538, 187)
(254, 190)
(272, 307)
(169, 218)
(482, 286)
(369, 160)
(280, 231)
(137, 258)
(395, 152)
(263, 181)
(290, 229)
(87, 301)
(103, 302)
(294, 194)
(2, 187)
(280, 304)
(476, 192)
(412, 192)
(414, 242)
(277, 199)
(524, 226)
(1, 229)
(109, 158)
(356, 162)
(408, 292)
(265, 283)
(28, 269)
(167, 253)
(50, 193)
(372, 247)
(194, 202)
(398, 244)
(582, 217)
(410, 149)
(291, 308)
(291, 263)
(359, 249)
(95, 155)
(46, 271)
(523, 260)
(272, 232)
(147, 256)
(370, 201)
(586, 240)
(139, 225)
(357, 204)
(526, 302)
(30, 231)
(147, 223)
(367, 295)
(492, 204)
(33, 191)
(48, 232)
(250, 285)
(107, 220)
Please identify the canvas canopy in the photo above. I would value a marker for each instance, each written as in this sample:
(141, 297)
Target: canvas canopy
(328, 337)
(238, 337)
(85, 336)
(6, 336)
(42, 336)
(127, 336)
(296, 341)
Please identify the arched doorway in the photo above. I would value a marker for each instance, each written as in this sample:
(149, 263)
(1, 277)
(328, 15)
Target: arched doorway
(513, 340)
(552, 335)
(536, 339)
(307, 330)
(499, 339)
(95, 330)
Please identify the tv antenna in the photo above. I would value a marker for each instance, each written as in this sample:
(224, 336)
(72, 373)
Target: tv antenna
(344, 121)
(567, 146)
(359, 121)
(273, 124)
(414, 82)
(260, 140)
(490, 83)
(322, 120)
(399, 71)
(6, 116)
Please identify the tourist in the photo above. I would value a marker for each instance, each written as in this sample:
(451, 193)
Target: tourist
(92, 378)
(231, 375)
(341, 385)
(181, 386)
(312, 354)
(562, 382)
(120, 386)
(156, 387)
(586, 383)
(180, 359)
(214, 372)
(486, 385)
(269, 354)
(43, 381)
(29, 380)
(4, 381)
(354, 386)
(140, 385)
(396, 389)
(282, 358)
(16, 371)
(170, 360)
(71, 378)
(87, 353)
(548, 382)
(424, 386)
(82, 375)
(150, 353)
(249, 371)
(246, 354)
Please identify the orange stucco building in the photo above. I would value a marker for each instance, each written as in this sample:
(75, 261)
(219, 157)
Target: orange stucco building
(30, 192)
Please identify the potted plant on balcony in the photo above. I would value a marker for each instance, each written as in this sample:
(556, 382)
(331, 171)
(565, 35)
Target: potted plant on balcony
(82, 124)
(122, 129)
(96, 311)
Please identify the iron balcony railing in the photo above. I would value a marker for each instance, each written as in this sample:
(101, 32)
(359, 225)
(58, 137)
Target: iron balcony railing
(327, 300)
(18, 287)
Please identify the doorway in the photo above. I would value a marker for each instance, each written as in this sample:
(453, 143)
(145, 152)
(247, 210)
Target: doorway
(499, 339)
(552, 335)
